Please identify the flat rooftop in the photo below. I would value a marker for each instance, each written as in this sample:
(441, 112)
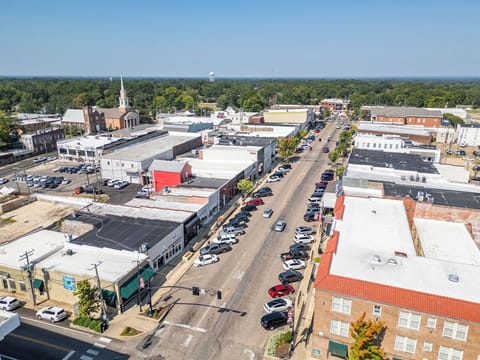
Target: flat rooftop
(397, 161)
(365, 127)
(86, 142)
(447, 241)
(41, 244)
(446, 197)
(373, 229)
(122, 233)
(149, 149)
(114, 264)
(203, 182)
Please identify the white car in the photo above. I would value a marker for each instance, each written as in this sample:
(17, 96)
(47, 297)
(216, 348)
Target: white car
(302, 238)
(224, 238)
(307, 230)
(121, 184)
(205, 260)
(294, 264)
(267, 213)
(273, 178)
(51, 313)
(281, 304)
(3, 181)
(66, 181)
(8, 303)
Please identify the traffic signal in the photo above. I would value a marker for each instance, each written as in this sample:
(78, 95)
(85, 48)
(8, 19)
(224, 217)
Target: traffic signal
(195, 290)
(103, 326)
(219, 295)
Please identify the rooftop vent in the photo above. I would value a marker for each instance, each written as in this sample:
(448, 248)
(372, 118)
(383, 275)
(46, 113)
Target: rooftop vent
(392, 261)
(401, 254)
(68, 252)
(453, 278)
(376, 260)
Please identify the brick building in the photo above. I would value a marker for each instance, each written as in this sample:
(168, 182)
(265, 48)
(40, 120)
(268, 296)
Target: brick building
(42, 141)
(89, 120)
(401, 269)
(336, 106)
(401, 115)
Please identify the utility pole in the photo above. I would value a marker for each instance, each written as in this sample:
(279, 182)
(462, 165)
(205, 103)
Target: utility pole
(99, 286)
(29, 273)
(140, 285)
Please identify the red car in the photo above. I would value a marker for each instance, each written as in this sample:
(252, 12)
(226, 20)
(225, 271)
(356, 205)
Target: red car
(255, 201)
(281, 290)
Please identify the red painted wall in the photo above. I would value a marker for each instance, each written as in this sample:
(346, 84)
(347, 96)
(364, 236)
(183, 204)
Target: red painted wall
(166, 178)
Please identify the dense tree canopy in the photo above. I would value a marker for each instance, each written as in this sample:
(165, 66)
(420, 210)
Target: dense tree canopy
(168, 95)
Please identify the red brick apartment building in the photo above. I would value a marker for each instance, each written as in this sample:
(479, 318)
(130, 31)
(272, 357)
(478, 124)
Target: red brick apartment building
(417, 275)
(400, 115)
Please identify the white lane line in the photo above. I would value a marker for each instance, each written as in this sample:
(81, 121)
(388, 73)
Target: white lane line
(194, 328)
(101, 346)
(85, 357)
(68, 356)
(105, 340)
(188, 340)
(93, 352)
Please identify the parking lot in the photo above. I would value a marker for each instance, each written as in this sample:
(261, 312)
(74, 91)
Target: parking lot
(63, 177)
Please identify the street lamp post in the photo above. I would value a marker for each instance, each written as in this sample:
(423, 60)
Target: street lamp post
(25, 256)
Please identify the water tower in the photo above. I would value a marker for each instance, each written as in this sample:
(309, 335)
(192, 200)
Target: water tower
(211, 76)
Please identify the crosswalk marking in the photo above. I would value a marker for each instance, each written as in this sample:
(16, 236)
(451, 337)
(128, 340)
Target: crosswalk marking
(101, 346)
(105, 340)
(93, 352)
(85, 357)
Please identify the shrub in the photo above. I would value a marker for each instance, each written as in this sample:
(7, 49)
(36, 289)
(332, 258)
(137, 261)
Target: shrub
(129, 331)
(85, 321)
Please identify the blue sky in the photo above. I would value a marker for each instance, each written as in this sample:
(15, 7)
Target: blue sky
(262, 38)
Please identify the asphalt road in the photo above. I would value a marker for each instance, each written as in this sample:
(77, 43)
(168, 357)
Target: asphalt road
(203, 327)
(39, 343)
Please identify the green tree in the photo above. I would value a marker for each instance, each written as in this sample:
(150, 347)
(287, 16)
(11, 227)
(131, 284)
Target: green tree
(454, 120)
(245, 186)
(88, 301)
(8, 129)
(302, 134)
(367, 335)
(286, 146)
(333, 156)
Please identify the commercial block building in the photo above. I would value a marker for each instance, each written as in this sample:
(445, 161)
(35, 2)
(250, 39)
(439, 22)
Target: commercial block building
(401, 115)
(401, 269)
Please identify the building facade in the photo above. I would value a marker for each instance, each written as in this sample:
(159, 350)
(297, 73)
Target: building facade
(87, 120)
(42, 141)
(399, 115)
(336, 106)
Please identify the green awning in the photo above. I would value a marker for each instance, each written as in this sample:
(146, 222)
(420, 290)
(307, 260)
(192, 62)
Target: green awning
(337, 349)
(37, 284)
(109, 297)
(132, 284)
(395, 358)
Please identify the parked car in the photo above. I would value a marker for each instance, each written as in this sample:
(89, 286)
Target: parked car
(297, 254)
(476, 153)
(51, 158)
(281, 290)
(255, 201)
(205, 260)
(66, 181)
(303, 238)
(285, 167)
(263, 192)
(236, 230)
(315, 199)
(142, 194)
(327, 177)
(215, 248)
(224, 238)
(249, 208)
(280, 225)
(121, 184)
(274, 320)
(91, 189)
(39, 159)
(242, 216)
(278, 173)
(112, 182)
(281, 304)
(289, 276)
(310, 216)
(299, 247)
(236, 222)
(3, 181)
(460, 153)
(293, 264)
(308, 230)
(8, 303)
(267, 212)
(51, 313)
(273, 178)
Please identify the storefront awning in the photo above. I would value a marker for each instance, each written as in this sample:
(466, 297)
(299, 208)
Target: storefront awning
(337, 349)
(395, 358)
(37, 284)
(132, 285)
(109, 296)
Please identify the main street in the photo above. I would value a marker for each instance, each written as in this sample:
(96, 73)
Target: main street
(203, 327)
(50, 342)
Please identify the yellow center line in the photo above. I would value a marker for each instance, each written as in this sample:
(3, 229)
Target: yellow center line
(40, 342)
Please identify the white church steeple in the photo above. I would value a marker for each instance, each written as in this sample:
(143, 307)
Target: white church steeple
(123, 99)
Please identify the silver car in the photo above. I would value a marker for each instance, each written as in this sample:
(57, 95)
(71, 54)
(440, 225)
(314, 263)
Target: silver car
(280, 225)
(267, 213)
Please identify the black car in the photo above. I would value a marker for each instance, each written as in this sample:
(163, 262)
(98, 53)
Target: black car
(90, 190)
(299, 247)
(274, 320)
(236, 222)
(325, 149)
(327, 177)
(215, 248)
(296, 254)
(310, 216)
(278, 173)
(290, 276)
(242, 216)
(285, 167)
(262, 193)
(58, 179)
(249, 208)
(244, 213)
